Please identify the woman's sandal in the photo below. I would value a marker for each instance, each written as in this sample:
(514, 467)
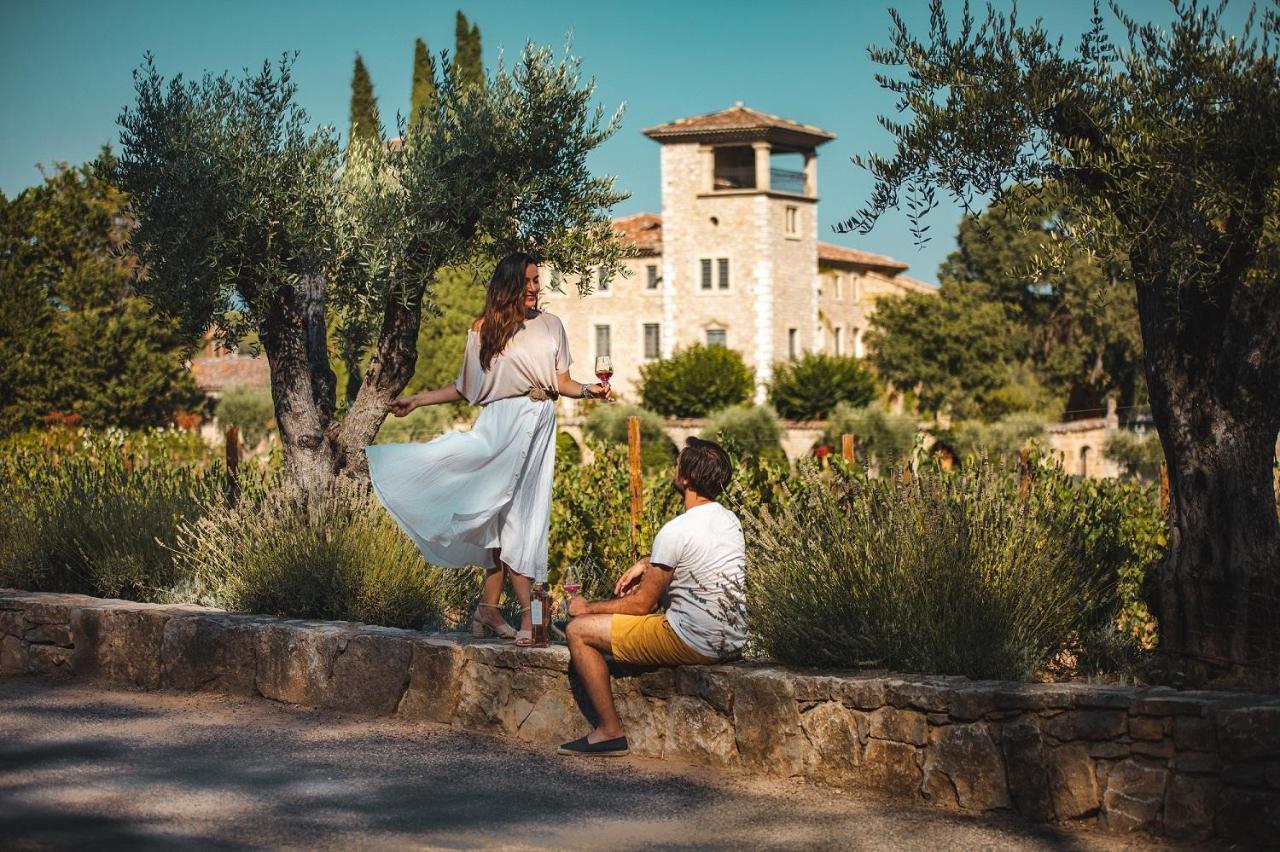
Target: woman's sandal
(524, 638)
(483, 629)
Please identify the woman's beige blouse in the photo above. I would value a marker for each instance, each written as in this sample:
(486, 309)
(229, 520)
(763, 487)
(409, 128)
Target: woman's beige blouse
(534, 356)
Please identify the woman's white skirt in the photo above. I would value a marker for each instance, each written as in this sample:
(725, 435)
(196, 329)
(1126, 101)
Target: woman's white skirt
(466, 495)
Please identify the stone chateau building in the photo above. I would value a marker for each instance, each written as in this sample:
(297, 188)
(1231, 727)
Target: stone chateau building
(733, 260)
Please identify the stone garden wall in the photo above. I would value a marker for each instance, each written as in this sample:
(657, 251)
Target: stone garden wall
(1184, 764)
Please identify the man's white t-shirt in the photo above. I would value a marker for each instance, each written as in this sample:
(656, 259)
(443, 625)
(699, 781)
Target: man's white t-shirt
(706, 599)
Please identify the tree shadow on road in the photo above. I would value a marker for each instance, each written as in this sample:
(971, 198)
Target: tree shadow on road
(243, 772)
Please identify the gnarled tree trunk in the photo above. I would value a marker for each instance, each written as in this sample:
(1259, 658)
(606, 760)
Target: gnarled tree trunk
(317, 447)
(302, 382)
(390, 369)
(1214, 380)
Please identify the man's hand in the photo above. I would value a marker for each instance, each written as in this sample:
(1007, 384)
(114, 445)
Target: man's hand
(577, 606)
(629, 581)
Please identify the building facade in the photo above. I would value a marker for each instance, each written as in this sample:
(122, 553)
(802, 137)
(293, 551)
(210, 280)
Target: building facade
(734, 258)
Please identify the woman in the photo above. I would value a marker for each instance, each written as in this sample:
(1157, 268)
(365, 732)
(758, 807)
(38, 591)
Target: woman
(484, 497)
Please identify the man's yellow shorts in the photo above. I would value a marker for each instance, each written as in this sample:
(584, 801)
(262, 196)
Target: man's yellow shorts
(648, 640)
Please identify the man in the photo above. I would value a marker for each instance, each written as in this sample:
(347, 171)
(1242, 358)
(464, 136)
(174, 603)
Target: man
(697, 571)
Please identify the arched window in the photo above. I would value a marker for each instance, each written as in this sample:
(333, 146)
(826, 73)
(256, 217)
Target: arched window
(1084, 461)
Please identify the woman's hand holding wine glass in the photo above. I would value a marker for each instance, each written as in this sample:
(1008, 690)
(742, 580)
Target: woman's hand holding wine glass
(604, 372)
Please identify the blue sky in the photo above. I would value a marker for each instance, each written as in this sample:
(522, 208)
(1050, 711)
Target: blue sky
(65, 73)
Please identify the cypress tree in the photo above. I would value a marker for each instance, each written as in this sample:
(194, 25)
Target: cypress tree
(468, 65)
(423, 99)
(365, 123)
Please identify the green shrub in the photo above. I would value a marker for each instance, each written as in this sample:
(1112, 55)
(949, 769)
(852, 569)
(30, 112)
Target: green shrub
(250, 410)
(339, 556)
(758, 481)
(1004, 438)
(608, 424)
(98, 523)
(943, 573)
(567, 450)
(165, 446)
(591, 518)
(888, 439)
(1139, 455)
(421, 424)
(811, 388)
(1023, 391)
(1122, 526)
(696, 381)
(747, 430)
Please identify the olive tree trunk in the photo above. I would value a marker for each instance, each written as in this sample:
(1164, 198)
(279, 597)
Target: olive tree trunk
(394, 358)
(1214, 381)
(317, 447)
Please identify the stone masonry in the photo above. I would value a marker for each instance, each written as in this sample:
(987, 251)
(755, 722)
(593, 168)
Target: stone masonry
(1188, 765)
(783, 293)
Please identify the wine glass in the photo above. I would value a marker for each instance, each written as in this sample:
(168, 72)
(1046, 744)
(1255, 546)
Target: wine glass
(604, 368)
(571, 582)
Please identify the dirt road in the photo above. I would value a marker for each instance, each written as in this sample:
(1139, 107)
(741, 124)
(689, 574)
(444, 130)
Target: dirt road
(86, 767)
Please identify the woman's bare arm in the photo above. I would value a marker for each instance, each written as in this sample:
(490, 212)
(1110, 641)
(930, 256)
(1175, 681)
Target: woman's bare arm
(402, 406)
(566, 386)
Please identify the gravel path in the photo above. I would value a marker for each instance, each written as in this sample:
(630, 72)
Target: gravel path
(87, 767)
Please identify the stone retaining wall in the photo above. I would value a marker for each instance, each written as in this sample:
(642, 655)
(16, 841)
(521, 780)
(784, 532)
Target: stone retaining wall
(1185, 764)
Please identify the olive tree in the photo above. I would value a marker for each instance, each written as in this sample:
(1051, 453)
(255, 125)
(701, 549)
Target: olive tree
(251, 221)
(1164, 146)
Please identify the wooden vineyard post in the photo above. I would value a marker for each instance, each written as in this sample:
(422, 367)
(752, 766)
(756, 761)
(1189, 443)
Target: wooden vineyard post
(847, 449)
(233, 463)
(637, 483)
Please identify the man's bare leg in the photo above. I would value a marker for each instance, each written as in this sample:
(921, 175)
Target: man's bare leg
(590, 638)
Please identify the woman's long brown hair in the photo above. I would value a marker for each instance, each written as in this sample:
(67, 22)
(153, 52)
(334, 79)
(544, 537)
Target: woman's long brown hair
(503, 306)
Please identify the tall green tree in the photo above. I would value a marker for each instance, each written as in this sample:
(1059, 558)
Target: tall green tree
(365, 123)
(959, 348)
(29, 353)
(1165, 152)
(468, 61)
(247, 223)
(1080, 333)
(74, 334)
(422, 97)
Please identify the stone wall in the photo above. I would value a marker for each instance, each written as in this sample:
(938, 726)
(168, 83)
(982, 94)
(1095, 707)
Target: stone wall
(1182, 764)
(1078, 445)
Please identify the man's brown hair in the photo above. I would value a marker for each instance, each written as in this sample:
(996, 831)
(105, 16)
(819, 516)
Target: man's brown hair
(705, 466)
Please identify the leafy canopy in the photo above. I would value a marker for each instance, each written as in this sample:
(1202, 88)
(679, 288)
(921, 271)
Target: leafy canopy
(810, 388)
(957, 347)
(1110, 128)
(696, 382)
(240, 201)
(1078, 333)
(74, 334)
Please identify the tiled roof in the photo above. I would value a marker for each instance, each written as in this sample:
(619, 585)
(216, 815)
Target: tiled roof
(736, 118)
(643, 231)
(913, 284)
(829, 253)
(219, 372)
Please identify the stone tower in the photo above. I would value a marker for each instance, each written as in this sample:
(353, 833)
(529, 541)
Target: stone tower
(739, 235)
